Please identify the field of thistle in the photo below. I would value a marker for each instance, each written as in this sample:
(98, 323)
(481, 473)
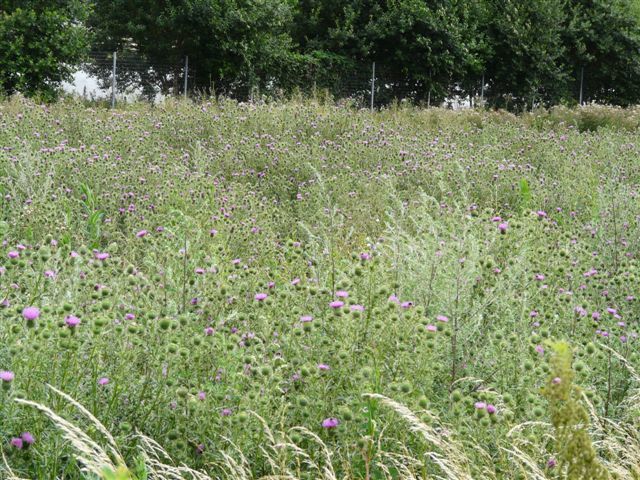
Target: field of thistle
(302, 291)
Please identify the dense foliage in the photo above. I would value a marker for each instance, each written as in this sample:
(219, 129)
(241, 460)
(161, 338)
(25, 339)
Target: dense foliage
(40, 44)
(533, 53)
(177, 269)
(529, 53)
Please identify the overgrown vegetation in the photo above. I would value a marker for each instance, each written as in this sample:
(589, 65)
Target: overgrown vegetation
(297, 290)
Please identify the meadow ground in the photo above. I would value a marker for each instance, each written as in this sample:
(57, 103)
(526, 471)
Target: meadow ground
(310, 291)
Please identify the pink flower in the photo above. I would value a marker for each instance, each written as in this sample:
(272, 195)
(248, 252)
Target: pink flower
(27, 438)
(556, 380)
(13, 254)
(491, 409)
(306, 318)
(103, 381)
(431, 328)
(324, 367)
(336, 304)
(540, 349)
(31, 313)
(7, 376)
(72, 321)
(342, 294)
(480, 405)
(260, 296)
(442, 318)
(330, 423)
(503, 227)
(202, 396)
(141, 233)
(17, 443)
(101, 255)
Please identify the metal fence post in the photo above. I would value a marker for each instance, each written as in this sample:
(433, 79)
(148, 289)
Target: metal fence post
(373, 83)
(186, 74)
(113, 81)
(581, 83)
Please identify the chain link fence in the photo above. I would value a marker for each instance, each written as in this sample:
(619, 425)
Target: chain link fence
(115, 77)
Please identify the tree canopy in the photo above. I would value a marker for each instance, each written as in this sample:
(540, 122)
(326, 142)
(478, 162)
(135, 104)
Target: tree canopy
(530, 53)
(40, 44)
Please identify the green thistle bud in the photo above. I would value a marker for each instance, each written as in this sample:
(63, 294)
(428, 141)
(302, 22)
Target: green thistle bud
(182, 392)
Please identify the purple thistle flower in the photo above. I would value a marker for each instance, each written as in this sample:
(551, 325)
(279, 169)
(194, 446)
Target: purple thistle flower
(31, 313)
(330, 423)
(260, 296)
(6, 376)
(72, 321)
(17, 443)
(103, 381)
(336, 304)
(27, 438)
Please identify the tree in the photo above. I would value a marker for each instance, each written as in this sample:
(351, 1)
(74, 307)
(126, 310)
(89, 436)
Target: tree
(418, 46)
(525, 66)
(603, 43)
(40, 44)
(231, 44)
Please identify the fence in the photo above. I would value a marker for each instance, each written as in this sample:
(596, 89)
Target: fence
(125, 76)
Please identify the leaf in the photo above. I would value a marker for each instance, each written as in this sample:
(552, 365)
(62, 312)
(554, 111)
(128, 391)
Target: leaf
(525, 193)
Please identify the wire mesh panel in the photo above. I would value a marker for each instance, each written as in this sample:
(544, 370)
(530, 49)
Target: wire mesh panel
(359, 83)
